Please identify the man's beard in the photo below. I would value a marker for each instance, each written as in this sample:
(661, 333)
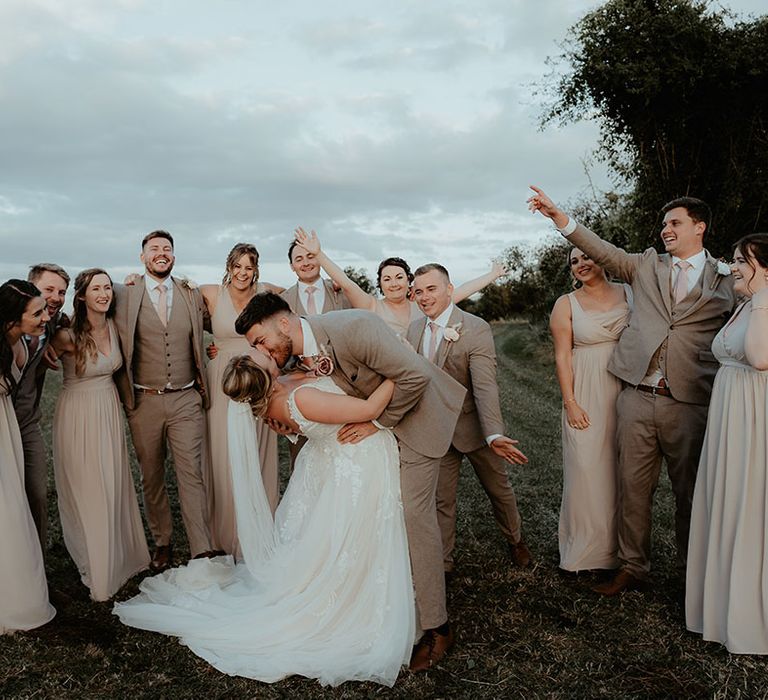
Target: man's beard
(160, 274)
(284, 350)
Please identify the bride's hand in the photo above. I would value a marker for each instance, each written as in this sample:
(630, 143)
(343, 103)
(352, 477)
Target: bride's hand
(353, 433)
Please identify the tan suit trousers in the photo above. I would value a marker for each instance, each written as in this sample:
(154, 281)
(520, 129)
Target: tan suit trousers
(491, 470)
(177, 419)
(648, 429)
(418, 485)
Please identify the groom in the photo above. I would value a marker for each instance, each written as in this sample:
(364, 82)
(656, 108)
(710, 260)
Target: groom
(422, 414)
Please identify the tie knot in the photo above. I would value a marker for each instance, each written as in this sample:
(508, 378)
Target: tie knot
(311, 289)
(684, 265)
(160, 287)
(433, 326)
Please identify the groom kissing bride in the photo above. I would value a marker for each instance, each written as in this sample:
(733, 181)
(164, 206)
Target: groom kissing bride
(334, 601)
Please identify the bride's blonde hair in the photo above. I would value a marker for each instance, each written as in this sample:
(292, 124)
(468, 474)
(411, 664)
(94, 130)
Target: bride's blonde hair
(245, 381)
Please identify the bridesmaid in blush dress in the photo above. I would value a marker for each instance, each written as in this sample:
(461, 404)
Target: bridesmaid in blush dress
(586, 326)
(23, 588)
(726, 597)
(224, 303)
(98, 508)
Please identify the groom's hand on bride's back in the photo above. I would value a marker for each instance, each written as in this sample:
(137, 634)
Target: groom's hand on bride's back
(278, 427)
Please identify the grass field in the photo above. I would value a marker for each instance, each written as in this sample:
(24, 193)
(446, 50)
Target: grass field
(521, 634)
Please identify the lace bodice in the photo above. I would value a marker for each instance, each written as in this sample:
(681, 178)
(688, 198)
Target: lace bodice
(311, 429)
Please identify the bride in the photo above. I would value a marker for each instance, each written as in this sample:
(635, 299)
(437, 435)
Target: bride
(325, 590)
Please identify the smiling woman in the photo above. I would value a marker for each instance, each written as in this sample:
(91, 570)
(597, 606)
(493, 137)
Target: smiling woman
(99, 513)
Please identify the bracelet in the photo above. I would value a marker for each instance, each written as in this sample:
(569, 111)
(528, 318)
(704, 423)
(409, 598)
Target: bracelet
(565, 403)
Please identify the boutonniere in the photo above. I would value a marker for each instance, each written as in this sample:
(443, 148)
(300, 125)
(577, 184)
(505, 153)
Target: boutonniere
(188, 284)
(451, 333)
(321, 365)
(723, 269)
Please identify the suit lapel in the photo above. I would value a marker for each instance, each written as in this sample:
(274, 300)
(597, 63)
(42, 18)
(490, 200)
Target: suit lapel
(445, 345)
(329, 301)
(664, 275)
(324, 345)
(135, 295)
(708, 285)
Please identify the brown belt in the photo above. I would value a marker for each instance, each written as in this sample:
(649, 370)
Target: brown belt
(655, 390)
(160, 392)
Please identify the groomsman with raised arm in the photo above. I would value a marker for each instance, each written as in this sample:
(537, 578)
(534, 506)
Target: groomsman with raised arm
(681, 299)
(162, 386)
(311, 295)
(422, 414)
(52, 281)
(461, 344)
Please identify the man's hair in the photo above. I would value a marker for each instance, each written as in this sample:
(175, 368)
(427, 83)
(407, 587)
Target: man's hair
(697, 209)
(259, 309)
(429, 267)
(294, 243)
(157, 234)
(36, 272)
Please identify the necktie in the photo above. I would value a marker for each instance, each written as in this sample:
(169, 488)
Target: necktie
(311, 308)
(681, 284)
(162, 303)
(432, 341)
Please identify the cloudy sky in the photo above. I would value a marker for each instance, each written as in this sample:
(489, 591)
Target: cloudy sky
(403, 128)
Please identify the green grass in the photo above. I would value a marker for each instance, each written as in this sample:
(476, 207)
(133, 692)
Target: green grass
(521, 634)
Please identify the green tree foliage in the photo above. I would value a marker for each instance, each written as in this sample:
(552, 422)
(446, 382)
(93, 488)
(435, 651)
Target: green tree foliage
(680, 90)
(360, 277)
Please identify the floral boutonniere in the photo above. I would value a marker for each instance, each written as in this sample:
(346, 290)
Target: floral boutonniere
(188, 284)
(451, 333)
(723, 269)
(321, 365)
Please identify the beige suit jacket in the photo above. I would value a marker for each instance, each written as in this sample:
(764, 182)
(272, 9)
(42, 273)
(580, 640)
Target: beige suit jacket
(691, 367)
(471, 361)
(334, 301)
(426, 403)
(128, 303)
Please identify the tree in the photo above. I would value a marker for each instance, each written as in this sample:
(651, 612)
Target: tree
(681, 95)
(360, 277)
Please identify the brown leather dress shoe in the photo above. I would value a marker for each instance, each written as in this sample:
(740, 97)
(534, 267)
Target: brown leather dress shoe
(430, 649)
(162, 558)
(521, 555)
(622, 581)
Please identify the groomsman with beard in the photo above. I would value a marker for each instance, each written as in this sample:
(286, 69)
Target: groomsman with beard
(462, 346)
(311, 295)
(52, 281)
(422, 414)
(162, 387)
(681, 300)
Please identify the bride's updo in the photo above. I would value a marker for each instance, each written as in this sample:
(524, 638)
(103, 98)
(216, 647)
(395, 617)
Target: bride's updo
(245, 381)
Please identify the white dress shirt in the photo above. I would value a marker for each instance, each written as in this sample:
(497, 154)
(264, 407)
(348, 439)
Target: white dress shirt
(697, 267)
(318, 296)
(151, 284)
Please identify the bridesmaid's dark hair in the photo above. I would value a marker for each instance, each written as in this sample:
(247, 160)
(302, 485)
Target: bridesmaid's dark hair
(235, 254)
(393, 262)
(84, 343)
(15, 296)
(754, 247)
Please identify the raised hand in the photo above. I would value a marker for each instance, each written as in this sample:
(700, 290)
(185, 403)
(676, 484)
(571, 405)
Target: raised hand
(505, 448)
(542, 203)
(131, 279)
(309, 241)
(498, 269)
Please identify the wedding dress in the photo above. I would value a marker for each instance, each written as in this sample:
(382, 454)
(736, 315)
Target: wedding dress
(324, 591)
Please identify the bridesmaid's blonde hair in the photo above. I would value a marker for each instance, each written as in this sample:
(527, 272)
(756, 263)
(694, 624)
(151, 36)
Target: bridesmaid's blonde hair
(235, 254)
(245, 381)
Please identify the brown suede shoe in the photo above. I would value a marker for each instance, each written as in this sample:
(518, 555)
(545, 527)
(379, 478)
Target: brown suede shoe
(521, 555)
(622, 581)
(162, 558)
(430, 649)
